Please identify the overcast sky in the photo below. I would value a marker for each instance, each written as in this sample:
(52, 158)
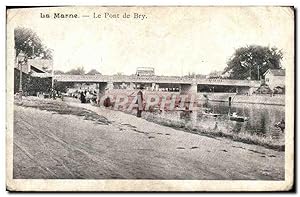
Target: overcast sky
(175, 41)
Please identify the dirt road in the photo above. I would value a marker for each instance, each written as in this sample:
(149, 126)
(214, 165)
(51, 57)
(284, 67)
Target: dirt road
(52, 145)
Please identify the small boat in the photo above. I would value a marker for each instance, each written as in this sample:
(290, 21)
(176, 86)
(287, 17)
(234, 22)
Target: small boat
(182, 109)
(209, 112)
(212, 114)
(237, 118)
(280, 125)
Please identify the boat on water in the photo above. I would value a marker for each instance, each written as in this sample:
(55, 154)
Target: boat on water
(209, 112)
(237, 118)
(212, 114)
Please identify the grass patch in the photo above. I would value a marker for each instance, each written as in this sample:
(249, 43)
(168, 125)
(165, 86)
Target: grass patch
(244, 137)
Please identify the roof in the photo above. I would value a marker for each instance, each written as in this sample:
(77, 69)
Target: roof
(36, 69)
(276, 72)
(41, 64)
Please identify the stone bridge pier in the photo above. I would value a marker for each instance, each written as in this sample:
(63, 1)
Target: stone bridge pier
(103, 87)
(188, 88)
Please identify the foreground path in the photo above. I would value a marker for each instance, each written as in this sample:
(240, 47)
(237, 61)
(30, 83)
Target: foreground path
(49, 145)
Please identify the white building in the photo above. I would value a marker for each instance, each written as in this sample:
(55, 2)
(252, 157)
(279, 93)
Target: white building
(275, 78)
(145, 71)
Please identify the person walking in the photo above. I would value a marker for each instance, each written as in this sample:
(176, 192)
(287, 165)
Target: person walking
(82, 97)
(140, 103)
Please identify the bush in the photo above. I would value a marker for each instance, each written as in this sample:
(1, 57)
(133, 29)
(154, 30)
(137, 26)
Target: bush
(31, 85)
(263, 89)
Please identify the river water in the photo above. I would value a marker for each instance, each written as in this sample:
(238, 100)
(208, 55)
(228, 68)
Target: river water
(262, 118)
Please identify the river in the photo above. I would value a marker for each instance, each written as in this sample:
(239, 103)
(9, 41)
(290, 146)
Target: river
(261, 118)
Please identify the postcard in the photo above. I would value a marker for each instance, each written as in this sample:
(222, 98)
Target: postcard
(150, 98)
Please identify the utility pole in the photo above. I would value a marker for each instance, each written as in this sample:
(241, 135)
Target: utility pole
(250, 73)
(20, 60)
(258, 77)
(52, 77)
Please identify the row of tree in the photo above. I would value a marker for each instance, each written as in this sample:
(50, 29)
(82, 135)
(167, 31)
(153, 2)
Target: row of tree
(77, 71)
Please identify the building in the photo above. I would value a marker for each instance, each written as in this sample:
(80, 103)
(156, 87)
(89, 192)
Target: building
(145, 71)
(36, 67)
(36, 76)
(275, 78)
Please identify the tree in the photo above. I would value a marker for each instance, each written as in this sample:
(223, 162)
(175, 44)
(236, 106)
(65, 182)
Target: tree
(215, 74)
(58, 72)
(29, 42)
(77, 71)
(251, 62)
(93, 72)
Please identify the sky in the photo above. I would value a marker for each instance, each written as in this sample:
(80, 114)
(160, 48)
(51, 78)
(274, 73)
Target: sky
(173, 40)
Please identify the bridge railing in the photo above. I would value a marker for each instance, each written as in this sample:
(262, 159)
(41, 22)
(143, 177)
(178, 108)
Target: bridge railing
(153, 79)
(82, 78)
(229, 82)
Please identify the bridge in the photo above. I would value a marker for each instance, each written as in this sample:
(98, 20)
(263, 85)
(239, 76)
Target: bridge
(186, 84)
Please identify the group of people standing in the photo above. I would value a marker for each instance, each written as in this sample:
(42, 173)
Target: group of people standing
(87, 96)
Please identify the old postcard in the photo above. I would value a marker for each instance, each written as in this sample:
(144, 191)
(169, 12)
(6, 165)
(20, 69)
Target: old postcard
(170, 98)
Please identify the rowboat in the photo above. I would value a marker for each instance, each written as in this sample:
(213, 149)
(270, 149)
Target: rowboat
(237, 118)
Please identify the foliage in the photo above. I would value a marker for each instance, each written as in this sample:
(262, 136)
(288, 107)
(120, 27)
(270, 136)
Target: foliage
(263, 89)
(253, 61)
(58, 72)
(31, 85)
(93, 72)
(77, 71)
(63, 86)
(29, 42)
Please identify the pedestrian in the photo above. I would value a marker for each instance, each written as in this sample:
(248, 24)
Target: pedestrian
(107, 102)
(54, 94)
(281, 125)
(82, 97)
(140, 103)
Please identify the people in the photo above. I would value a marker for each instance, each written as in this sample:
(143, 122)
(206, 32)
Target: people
(107, 102)
(281, 125)
(140, 103)
(82, 97)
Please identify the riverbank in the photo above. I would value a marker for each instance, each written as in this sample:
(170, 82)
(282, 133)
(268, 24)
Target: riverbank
(253, 99)
(214, 127)
(50, 143)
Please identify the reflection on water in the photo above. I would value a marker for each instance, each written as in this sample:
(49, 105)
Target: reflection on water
(262, 118)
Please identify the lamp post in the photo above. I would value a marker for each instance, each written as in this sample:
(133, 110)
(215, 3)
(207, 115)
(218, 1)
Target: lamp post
(20, 60)
(30, 43)
(258, 77)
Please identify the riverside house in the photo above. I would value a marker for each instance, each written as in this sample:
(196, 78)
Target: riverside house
(275, 78)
